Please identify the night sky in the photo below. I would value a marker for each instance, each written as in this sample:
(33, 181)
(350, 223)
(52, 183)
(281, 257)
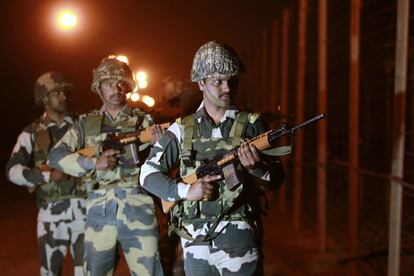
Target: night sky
(160, 37)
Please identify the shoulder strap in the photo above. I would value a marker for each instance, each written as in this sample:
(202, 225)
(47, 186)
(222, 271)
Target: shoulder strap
(140, 117)
(187, 144)
(93, 124)
(239, 125)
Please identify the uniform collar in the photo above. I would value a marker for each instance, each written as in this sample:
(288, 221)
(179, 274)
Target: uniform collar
(126, 110)
(47, 121)
(231, 112)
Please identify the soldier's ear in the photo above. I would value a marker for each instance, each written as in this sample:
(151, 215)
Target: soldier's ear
(201, 85)
(45, 100)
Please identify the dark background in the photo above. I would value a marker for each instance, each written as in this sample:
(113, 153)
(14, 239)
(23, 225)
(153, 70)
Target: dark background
(161, 38)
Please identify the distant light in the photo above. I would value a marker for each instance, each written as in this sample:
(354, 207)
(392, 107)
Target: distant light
(148, 100)
(135, 97)
(66, 19)
(142, 84)
(128, 95)
(141, 76)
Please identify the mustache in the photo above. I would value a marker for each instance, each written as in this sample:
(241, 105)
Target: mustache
(117, 95)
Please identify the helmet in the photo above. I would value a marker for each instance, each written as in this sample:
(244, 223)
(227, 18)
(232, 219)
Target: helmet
(214, 59)
(111, 68)
(49, 82)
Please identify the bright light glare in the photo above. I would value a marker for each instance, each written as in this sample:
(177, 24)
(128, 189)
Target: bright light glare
(123, 59)
(141, 76)
(128, 95)
(66, 19)
(142, 84)
(148, 100)
(135, 97)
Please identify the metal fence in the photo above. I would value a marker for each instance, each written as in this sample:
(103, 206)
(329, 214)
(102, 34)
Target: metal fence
(351, 214)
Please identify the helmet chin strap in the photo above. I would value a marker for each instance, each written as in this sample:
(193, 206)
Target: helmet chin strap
(214, 98)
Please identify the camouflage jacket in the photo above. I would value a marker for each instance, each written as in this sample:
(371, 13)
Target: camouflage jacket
(91, 130)
(168, 151)
(26, 166)
(198, 221)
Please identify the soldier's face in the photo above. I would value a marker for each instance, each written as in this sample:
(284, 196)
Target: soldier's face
(113, 92)
(216, 91)
(57, 100)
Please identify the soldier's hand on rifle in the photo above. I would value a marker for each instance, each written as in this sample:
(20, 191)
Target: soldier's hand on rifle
(249, 156)
(108, 160)
(156, 133)
(56, 175)
(203, 188)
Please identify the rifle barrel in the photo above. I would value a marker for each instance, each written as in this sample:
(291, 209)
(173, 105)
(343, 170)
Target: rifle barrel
(310, 121)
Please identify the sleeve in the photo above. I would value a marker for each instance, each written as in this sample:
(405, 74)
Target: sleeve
(64, 156)
(162, 158)
(19, 168)
(271, 173)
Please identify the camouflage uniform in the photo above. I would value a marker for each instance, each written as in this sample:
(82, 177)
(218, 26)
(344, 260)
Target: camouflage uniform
(61, 216)
(235, 235)
(118, 210)
(220, 236)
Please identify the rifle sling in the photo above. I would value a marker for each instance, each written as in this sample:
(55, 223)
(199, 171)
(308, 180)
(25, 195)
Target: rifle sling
(279, 151)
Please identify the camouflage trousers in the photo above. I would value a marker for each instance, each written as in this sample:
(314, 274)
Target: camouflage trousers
(54, 238)
(126, 218)
(233, 250)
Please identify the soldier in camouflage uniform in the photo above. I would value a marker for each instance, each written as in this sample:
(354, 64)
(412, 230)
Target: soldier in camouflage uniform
(61, 203)
(219, 227)
(119, 212)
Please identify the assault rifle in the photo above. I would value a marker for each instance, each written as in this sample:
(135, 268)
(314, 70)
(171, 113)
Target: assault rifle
(225, 165)
(117, 141)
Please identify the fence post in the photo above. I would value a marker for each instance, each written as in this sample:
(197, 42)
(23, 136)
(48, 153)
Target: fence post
(273, 66)
(299, 113)
(284, 64)
(353, 131)
(322, 127)
(397, 167)
(263, 103)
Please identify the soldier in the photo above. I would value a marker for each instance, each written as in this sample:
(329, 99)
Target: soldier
(219, 227)
(61, 203)
(119, 212)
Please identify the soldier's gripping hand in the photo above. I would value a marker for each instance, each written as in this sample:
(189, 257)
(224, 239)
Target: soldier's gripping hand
(56, 175)
(249, 156)
(203, 188)
(108, 160)
(156, 133)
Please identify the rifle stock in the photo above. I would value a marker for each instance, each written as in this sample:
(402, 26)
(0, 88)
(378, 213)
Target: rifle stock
(262, 142)
(144, 136)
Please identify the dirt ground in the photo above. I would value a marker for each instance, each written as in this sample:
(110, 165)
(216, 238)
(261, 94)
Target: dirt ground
(286, 252)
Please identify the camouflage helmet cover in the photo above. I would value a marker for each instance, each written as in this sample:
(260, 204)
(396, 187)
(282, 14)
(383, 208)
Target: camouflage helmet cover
(214, 59)
(49, 82)
(112, 69)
